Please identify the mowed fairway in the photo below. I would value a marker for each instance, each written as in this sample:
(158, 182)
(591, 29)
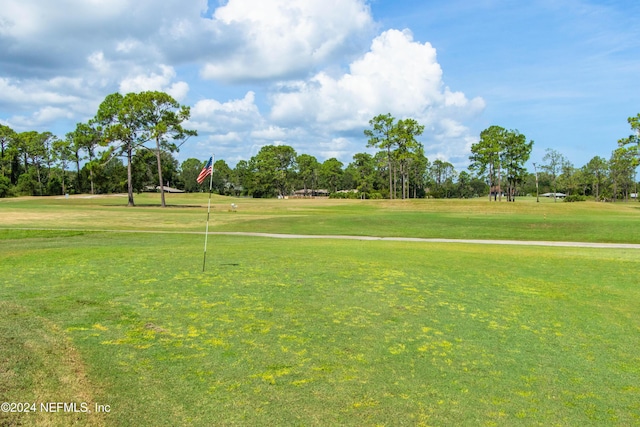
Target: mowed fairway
(318, 332)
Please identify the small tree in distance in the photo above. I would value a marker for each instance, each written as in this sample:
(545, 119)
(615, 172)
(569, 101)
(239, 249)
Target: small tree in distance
(485, 157)
(554, 162)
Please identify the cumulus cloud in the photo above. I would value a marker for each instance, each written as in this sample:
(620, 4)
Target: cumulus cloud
(43, 116)
(161, 81)
(34, 93)
(270, 133)
(52, 58)
(237, 128)
(325, 78)
(397, 75)
(39, 104)
(282, 38)
(241, 40)
(40, 39)
(240, 115)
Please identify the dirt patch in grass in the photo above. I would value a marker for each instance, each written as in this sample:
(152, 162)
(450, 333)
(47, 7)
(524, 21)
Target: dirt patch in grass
(39, 365)
(22, 217)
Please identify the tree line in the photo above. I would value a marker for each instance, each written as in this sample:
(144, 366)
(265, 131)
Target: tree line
(129, 146)
(141, 128)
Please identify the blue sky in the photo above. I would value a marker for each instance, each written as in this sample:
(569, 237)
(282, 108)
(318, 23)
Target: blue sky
(312, 73)
(563, 73)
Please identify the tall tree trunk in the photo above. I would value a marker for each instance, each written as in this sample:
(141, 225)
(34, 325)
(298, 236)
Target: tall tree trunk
(395, 182)
(130, 175)
(499, 184)
(403, 180)
(79, 188)
(15, 169)
(39, 179)
(405, 183)
(390, 174)
(160, 173)
(91, 171)
(490, 180)
(314, 180)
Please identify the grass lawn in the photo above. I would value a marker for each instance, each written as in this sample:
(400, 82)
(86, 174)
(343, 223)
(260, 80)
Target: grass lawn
(464, 219)
(316, 332)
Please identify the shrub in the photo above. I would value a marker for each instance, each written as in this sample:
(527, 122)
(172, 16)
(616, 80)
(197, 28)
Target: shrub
(5, 187)
(345, 195)
(28, 185)
(575, 198)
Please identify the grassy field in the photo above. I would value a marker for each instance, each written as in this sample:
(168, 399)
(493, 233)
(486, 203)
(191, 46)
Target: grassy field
(319, 332)
(463, 219)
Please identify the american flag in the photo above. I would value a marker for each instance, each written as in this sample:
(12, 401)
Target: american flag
(206, 171)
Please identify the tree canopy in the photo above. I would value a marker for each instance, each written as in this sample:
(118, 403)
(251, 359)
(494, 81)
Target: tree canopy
(129, 122)
(129, 144)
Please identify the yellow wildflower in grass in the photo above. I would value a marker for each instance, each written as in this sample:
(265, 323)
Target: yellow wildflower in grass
(366, 403)
(216, 342)
(397, 349)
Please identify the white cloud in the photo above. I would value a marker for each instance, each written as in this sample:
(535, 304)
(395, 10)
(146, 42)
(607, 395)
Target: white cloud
(47, 38)
(213, 116)
(97, 61)
(156, 81)
(49, 114)
(54, 61)
(30, 93)
(282, 37)
(41, 117)
(27, 19)
(270, 133)
(337, 147)
(19, 19)
(41, 104)
(178, 91)
(128, 45)
(397, 75)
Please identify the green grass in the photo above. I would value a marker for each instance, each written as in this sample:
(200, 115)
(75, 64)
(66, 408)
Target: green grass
(314, 332)
(462, 219)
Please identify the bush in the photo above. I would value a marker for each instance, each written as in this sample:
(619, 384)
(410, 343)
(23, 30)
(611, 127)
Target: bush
(28, 185)
(575, 198)
(54, 187)
(344, 195)
(5, 187)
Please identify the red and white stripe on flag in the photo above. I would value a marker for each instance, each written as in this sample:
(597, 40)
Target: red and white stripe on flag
(206, 171)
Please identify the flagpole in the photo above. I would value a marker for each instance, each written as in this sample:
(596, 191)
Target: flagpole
(206, 233)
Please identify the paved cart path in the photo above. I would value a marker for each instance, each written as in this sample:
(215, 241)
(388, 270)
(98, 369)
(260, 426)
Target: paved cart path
(437, 240)
(368, 238)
